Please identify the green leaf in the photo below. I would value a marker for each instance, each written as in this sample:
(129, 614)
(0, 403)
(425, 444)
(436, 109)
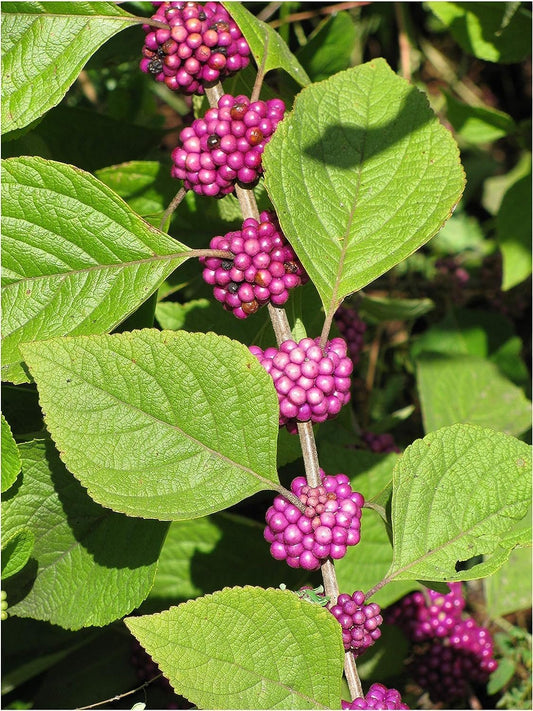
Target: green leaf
(510, 589)
(503, 674)
(16, 551)
(159, 424)
(465, 388)
(89, 566)
(76, 259)
(361, 174)
(485, 30)
(513, 232)
(378, 664)
(478, 124)
(247, 648)
(462, 233)
(495, 187)
(10, 457)
(380, 308)
(330, 48)
(44, 47)
(205, 554)
(457, 492)
(263, 39)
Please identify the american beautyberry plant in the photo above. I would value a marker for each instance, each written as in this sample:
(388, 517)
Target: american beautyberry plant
(202, 500)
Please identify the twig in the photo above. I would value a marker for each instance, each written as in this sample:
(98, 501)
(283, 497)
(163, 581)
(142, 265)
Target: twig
(327, 10)
(256, 91)
(403, 41)
(354, 683)
(376, 587)
(178, 197)
(268, 11)
(120, 696)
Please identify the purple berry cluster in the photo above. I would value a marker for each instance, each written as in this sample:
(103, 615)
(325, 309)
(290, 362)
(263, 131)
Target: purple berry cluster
(426, 615)
(360, 623)
(311, 384)
(331, 522)
(379, 443)
(377, 697)
(226, 145)
(447, 668)
(201, 46)
(352, 329)
(263, 267)
(459, 651)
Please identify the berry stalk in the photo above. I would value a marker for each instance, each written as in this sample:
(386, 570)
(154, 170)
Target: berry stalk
(282, 332)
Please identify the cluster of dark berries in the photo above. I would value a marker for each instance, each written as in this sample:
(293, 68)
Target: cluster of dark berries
(447, 668)
(377, 697)
(379, 443)
(262, 269)
(311, 384)
(202, 45)
(330, 523)
(459, 651)
(352, 329)
(360, 623)
(429, 614)
(226, 145)
(452, 277)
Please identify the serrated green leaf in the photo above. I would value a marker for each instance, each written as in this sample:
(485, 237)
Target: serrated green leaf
(16, 551)
(380, 308)
(262, 38)
(10, 457)
(513, 232)
(89, 566)
(205, 554)
(247, 648)
(477, 124)
(485, 30)
(464, 388)
(159, 424)
(44, 47)
(76, 259)
(330, 48)
(361, 174)
(457, 494)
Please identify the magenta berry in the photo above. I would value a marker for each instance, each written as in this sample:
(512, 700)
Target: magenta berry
(225, 146)
(428, 615)
(202, 45)
(311, 384)
(264, 267)
(449, 666)
(330, 523)
(352, 329)
(379, 443)
(377, 697)
(360, 623)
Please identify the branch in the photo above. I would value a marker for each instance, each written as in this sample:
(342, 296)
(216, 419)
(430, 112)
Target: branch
(120, 696)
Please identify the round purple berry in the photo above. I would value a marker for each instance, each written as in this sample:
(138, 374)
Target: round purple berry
(202, 45)
(360, 622)
(306, 539)
(311, 384)
(231, 151)
(377, 697)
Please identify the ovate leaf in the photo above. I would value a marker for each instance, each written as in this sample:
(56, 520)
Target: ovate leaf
(478, 124)
(44, 47)
(76, 259)
(247, 648)
(464, 388)
(381, 308)
(513, 232)
(361, 174)
(159, 424)
(10, 457)
(330, 49)
(263, 39)
(16, 551)
(89, 566)
(457, 494)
